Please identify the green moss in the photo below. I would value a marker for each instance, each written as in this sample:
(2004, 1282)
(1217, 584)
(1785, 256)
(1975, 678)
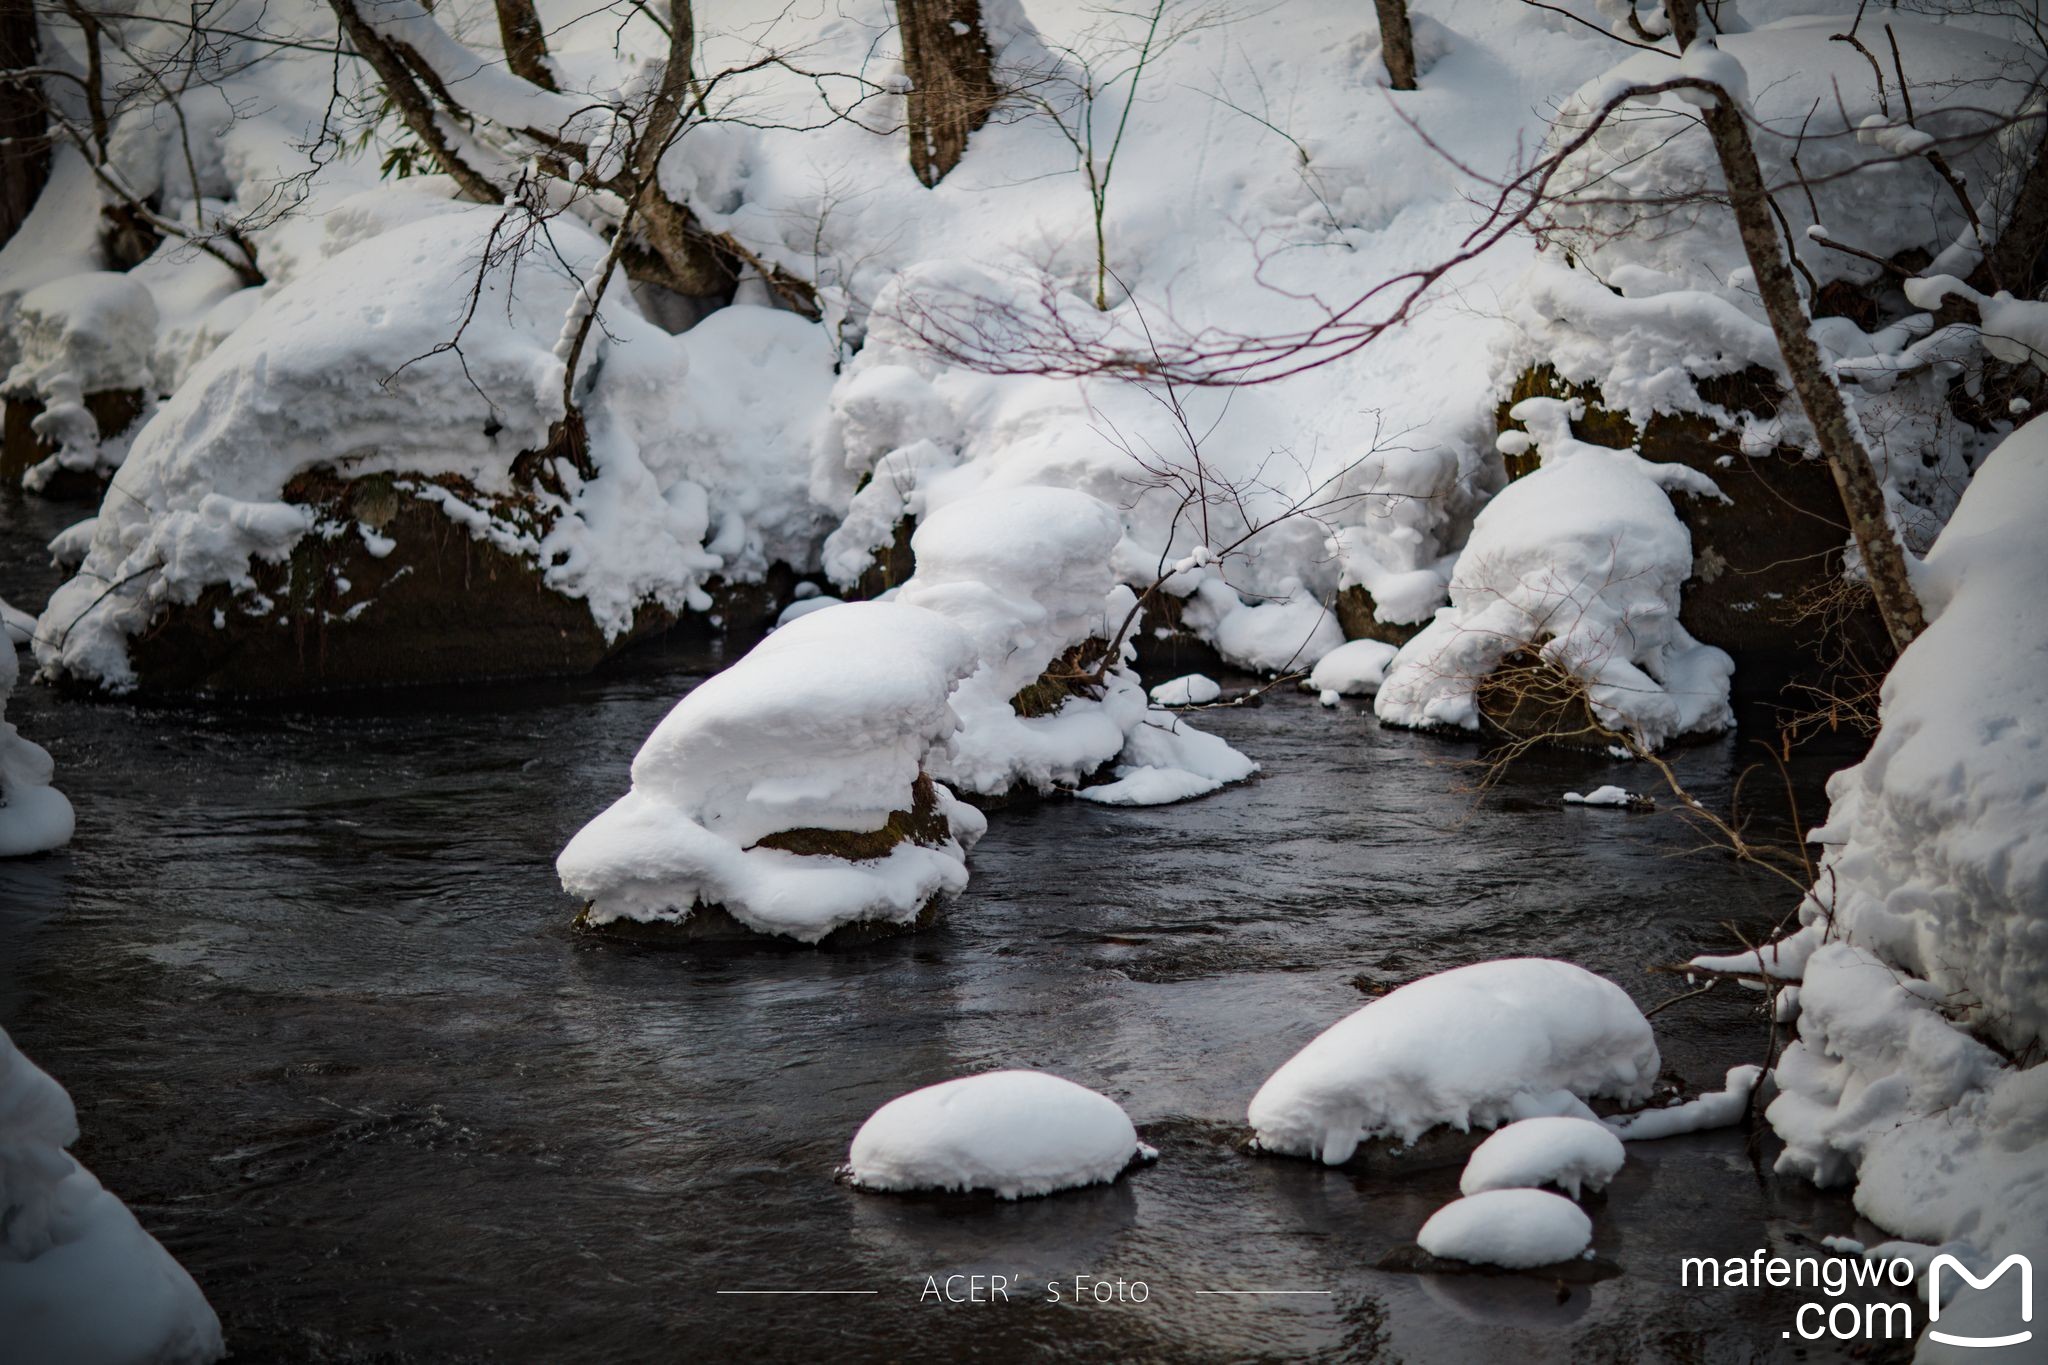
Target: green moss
(923, 823)
(1070, 675)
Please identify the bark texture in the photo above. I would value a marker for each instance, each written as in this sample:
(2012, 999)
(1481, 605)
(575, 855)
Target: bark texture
(1397, 43)
(1884, 561)
(952, 84)
(526, 42)
(24, 128)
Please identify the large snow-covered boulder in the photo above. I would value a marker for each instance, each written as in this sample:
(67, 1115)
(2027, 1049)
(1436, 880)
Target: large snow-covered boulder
(374, 478)
(1572, 572)
(1513, 1229)
(80, 1280)
(786, 794)
(34, 816)
(1015, 1133)
(1474, 1046)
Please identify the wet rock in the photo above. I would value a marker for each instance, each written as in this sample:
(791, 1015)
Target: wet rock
(1356, 616)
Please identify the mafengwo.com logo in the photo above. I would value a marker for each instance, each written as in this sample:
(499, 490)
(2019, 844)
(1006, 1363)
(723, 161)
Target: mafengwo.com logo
(1839, 1317)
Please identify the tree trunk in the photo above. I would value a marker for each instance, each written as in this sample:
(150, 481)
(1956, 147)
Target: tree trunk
(1884, 561)
(1397, 43)
(24, 128)
(952, 85)
(2016, 253)
(525, 41)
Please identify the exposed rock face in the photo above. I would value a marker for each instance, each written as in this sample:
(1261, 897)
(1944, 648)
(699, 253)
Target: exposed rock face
(924, 823)
(1356, 614)
(387, 590)
(1760, 558)
(22, 447)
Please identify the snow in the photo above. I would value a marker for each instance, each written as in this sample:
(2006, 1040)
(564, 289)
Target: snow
(1476, 1045)
(1723, 1108)
(1193, 689)
(1015, 1133)
(1353, 669)
(821, 726)
(34, 816)
(1600, 796)
(1514, 1229)
(1579, 562)
(80, 1280)
(1571, 1153)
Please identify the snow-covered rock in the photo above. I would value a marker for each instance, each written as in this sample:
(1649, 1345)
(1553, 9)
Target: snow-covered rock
(1514, 1229)
(1353, 669)
(81, 1282)
(1723, 1108)
(1609, 795)
(1474, 1046)
(787, 791)
(1193, 689)
(34, 816)
(1568, 1152)
(1579, 565)
(1015, 1133)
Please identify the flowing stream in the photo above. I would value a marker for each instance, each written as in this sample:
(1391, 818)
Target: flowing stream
(308, 975)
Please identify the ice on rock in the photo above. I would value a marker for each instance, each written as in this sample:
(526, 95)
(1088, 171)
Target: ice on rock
(1579, 563)
(1195, 689)
(34, 816)
(1513, 1229)
(1027, 573)
(80, 1280)
(1568, 1152)
(1474, 1046)
(1353, 669)
(1014, 1133)
(820, 727)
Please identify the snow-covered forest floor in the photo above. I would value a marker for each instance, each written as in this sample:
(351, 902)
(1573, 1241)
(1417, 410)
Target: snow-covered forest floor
(1012, 396)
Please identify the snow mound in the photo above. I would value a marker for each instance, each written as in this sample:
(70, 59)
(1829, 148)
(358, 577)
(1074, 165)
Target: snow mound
(1194, 689)
(34, 816)
(820, 727)
(1027, 572)
(1514, 1229)
(1475, 1045)
(80, 1280)
(1353, 669)
(1570, 1153)
(1579, 563)
(1609, 795)
(1015, 1133)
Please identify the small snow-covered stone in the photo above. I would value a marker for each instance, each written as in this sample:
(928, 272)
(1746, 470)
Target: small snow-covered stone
(1476, 1045)
(1599, 796)
(1514, 1229)
(1355, 668)
(1570, 1153)
(1015, 1133)
(1194, 689)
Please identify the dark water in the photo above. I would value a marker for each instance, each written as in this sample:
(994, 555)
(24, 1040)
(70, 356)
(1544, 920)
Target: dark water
(306, 974)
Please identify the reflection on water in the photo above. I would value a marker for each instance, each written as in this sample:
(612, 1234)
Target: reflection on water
(305, 972)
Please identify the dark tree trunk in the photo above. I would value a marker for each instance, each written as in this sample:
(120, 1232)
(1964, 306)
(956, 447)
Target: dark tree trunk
(952, 85)
(1397, 43)
(24, 127)
(526, 42)
(1884, 562)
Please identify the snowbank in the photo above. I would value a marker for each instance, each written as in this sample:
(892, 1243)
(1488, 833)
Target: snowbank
(1514, 1229)
(1570, 1153)
(1015, 1133)
(821, 728)
(1578, 563)
(34, 816)
(80, 1280)
(1477, 1045)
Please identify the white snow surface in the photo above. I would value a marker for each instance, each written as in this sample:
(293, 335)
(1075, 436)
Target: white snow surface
(1580, 562)
(1722, 1108)
(1566, 1151)
(1609, 795)
(80, 1280)
(34, 816)
(1015, 1133)
(1353, 669)
(1474, 1046)
(1191, 689)
(1515, 1229)
(823, 725)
